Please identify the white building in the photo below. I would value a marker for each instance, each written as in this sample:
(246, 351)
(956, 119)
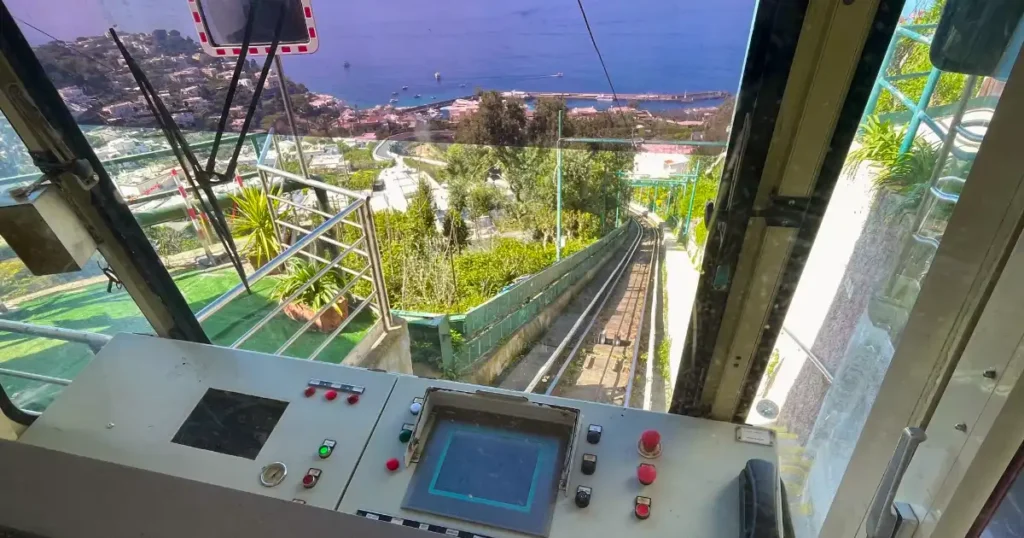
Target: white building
(191, 91)
(120, 110)
(73, 94)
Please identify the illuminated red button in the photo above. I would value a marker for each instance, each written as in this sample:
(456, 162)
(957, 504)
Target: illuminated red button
(392, 464)
(311, 478)
(650, 443)
(646, 474)
(352, 399)
(331, 395)
(642, 511)
(309, 391)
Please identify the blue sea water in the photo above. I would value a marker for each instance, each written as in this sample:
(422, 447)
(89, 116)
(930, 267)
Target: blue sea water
(655, 46)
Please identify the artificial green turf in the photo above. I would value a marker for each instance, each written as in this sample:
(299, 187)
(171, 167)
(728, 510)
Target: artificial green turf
(92, 309)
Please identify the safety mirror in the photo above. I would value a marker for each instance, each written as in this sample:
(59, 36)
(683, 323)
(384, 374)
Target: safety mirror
(973, 35)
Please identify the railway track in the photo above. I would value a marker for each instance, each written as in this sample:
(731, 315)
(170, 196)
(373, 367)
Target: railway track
(598, 359)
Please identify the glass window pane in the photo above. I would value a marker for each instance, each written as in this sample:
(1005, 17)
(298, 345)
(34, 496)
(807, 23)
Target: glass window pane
(79, 301)
(466, 215)
(900, 185)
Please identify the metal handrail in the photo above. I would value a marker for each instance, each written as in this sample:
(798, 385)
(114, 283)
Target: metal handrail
(311, 182)
(276, 262)
(95, 341)
(326, 268)
(35, 377)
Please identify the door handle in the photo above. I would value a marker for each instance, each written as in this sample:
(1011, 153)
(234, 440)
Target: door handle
(882, 516)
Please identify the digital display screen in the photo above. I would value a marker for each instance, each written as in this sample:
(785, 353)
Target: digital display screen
(476, 468)
(226, 19)
(488, 468)
(230, 423)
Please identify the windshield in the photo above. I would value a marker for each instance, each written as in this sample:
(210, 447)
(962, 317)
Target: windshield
(509, 156)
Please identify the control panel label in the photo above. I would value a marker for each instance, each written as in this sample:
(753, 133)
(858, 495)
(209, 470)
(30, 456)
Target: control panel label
(343, 387)
(757, 436)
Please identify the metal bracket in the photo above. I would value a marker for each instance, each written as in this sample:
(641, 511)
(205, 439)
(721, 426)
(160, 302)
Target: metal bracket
(784, 211)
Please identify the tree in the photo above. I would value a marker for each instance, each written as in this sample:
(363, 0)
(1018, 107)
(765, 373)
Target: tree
(498, 122)
(483, 199)
(523, 168)
(456, 232)
(469, 162)
(422, 210)
(543, 128)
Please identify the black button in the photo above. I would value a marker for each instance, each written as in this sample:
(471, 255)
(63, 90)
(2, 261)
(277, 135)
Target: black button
(583, 496)
(594, 434)
(589, 464)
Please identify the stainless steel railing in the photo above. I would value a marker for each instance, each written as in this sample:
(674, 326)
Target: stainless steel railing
(95, 341)
(355, 204)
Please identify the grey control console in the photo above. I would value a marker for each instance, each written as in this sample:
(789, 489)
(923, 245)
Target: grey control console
(243, 420)
(444, 457)
(685, 479)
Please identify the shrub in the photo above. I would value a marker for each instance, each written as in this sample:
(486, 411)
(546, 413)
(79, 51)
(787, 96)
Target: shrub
(299, 272)
(254, 219)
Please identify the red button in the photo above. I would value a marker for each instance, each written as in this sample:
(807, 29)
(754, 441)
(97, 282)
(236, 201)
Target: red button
(646, 474)
(331, 395)
(650, 440)
(642, 511)
(352, 399)
(308, 480)
(392, 464)
(309, 391)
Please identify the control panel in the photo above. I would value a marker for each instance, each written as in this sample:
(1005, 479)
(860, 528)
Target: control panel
(445, 457)
(274, 426)
(482, 467)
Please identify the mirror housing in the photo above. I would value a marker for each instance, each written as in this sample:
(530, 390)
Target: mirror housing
(973, 36)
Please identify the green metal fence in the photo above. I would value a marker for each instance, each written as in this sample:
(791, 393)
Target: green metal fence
(488, 325)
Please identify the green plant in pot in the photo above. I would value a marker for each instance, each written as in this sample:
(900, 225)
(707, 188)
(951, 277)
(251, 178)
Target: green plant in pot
(314, 297)
(254, 219)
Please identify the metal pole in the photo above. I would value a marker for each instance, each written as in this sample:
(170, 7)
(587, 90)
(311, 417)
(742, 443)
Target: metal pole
(876, 90)
(558, 182)
(95, 341)
(321, 195)
(290, 115)
(689, 209)
(919, 110)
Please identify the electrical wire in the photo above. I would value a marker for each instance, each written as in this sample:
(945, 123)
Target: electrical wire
(65, 44)
(593, 41)
(607, 75)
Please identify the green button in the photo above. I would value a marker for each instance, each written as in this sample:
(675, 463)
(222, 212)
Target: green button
(405, 436)
(325, 451)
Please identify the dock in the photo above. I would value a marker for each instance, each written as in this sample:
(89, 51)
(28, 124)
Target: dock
(686, 97)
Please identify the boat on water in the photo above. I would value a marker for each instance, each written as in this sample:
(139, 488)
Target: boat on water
(437, 75)
(405, 88)
(463, 85)
(346, 65)
(603, 97)
(417, 96)
(394, 93)
(393, 100)
(559, 74)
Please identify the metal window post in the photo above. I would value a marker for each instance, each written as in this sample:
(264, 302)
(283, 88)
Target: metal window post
(689, 208)
(558, 187)
(919, 110)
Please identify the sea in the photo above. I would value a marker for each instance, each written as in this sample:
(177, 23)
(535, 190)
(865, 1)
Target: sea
(648, 46)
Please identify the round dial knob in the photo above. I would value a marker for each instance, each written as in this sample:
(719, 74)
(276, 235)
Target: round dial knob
(273, 474)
